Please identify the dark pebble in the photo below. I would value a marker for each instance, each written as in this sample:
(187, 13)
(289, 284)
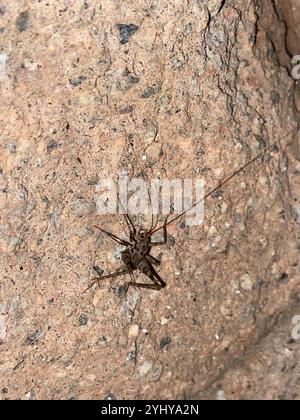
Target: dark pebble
(141, 174)
(46, 201)
(218, 193)
(126, 32)
(275, 148)
(126, 72)
(98, 270)
(83, 319)
(133, 80)
(122, 290)
(148, 92)
(33, 338)
(204, 170)
(22, 21)
(183, 224)
(151, 90)
(165, 342)
(284, 278)
(130, 136)
(93, 182)
(275, 97)
(126, 109)
(52, 145)
(131, 356)
(78, 81)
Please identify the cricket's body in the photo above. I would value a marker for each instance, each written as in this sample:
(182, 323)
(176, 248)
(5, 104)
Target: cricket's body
(137, 256)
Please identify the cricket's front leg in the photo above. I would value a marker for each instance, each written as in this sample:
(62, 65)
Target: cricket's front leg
(114, 237)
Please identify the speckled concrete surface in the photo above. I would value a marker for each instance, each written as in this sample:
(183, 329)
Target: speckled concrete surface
(187, 89)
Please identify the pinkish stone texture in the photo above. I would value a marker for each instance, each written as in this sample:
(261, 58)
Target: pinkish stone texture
(186, 89)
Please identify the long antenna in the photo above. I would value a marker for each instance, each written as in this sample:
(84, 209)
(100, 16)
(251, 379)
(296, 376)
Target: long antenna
(221, 184)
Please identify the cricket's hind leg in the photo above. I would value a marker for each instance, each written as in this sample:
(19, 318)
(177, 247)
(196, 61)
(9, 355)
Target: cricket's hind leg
(152, 260)
(155, 286)
(150, 272)
(108, 276)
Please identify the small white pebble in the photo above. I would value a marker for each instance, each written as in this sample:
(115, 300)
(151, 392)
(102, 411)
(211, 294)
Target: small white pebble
(30, 65)
(263, 180)
(288, 353)
(247, 282)
(212, 231)
(91, 377)
(145, 368)
(242, 227)
(220, 395)
(61, 374)
(133, 331)
(219, 173)
(164, 320)
(2, 328)
(224, 208)
(3, 58)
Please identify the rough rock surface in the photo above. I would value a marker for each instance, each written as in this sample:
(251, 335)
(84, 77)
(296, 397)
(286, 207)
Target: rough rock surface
(172, 89)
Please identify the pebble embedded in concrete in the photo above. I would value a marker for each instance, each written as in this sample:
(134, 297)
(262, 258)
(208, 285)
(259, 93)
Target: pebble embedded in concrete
(2, 328)
(133, 331)
(145, 368)
(247, 282)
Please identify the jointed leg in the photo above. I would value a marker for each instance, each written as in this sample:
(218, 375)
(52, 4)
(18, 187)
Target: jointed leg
(114, 237)
(130, 224)
(154, 276)
(108, 276)
(153, 225)
(157, 277)
(152, 259)
(155, 286)
(165, 239)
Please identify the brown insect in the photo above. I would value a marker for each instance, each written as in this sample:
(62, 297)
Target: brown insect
(137, 254)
